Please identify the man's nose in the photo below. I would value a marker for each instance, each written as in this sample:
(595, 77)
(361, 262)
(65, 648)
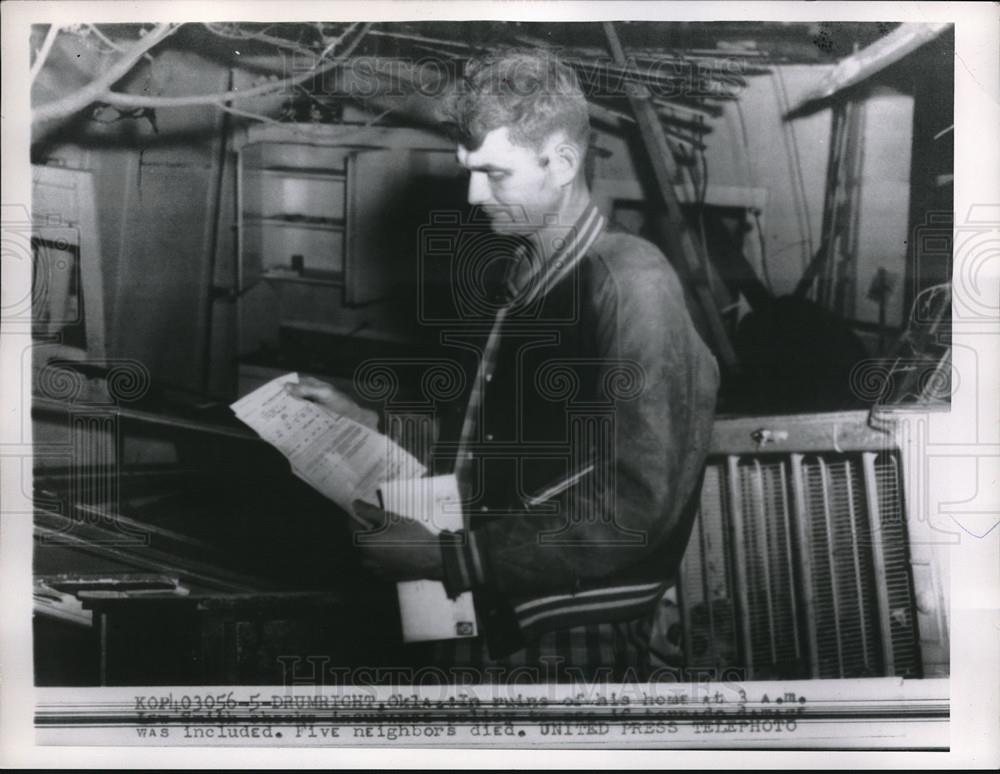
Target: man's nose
(479, 189)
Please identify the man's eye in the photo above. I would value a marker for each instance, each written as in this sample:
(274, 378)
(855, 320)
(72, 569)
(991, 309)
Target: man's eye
(496, 177)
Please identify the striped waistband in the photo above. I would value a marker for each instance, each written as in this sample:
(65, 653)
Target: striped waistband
(612, 603)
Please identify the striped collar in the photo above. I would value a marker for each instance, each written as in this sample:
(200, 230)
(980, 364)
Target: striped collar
(570, 246)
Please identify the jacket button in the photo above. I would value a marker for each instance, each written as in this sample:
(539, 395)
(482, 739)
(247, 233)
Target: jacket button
(489, 377)
(484, 509)
(489, 436)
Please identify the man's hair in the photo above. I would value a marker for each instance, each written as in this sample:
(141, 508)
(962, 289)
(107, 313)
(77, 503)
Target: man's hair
(529, 91)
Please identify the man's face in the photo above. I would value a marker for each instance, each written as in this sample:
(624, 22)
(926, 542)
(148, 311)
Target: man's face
(513, 185)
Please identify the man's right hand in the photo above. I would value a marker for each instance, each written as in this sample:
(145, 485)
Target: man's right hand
(330, 398)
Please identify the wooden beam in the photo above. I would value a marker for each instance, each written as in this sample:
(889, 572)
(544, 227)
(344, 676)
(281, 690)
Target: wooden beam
(869, 61)
(664, 169)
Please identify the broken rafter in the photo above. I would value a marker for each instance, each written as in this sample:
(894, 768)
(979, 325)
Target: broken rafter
(870, 60)
(579, 57)
(628, 71)
(680, 90)
(707, 64)
(695, 114)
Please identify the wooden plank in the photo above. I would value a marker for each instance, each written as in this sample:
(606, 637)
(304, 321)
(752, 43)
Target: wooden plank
(42, 406)
(716, 194)
(352, 135)
(841, 431)
(870, 60)
(664, 170)
(214, 225)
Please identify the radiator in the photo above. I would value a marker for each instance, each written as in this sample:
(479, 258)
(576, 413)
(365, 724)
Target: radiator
(798, 567)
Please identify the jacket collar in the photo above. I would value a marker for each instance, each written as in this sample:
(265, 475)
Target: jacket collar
(570, 246)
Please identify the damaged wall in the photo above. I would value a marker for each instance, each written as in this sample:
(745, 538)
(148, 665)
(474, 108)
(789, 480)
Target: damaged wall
(167, 206)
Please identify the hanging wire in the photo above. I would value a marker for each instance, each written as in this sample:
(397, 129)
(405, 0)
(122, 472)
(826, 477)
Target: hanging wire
(795, 159)
(765, 269)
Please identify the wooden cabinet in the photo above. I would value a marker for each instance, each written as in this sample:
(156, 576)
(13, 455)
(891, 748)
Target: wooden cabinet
(328, 230)
(291, 213)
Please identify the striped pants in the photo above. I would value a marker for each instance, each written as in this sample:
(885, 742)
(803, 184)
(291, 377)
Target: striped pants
(607, 652)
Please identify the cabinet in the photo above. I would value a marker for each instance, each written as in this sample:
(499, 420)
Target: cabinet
(328, 229)
(291, 213)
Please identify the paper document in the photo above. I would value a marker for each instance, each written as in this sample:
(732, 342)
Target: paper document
(426, 611)
(342, 459)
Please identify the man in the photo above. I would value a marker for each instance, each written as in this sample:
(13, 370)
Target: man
(589, 418)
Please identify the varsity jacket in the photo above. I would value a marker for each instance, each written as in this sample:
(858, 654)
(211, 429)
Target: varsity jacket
(584, 442)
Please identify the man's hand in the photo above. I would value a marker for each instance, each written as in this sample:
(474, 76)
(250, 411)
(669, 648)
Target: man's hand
(396, 548)
(330, 398)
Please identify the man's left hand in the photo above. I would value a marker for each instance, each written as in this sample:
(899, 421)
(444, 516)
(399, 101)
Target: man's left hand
(396, 548)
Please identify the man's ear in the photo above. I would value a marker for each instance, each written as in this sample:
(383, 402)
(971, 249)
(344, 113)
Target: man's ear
(564, 159)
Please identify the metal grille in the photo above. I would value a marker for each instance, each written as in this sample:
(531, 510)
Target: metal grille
(841, 572)
(798, 567)
(899, 592)
(769, 583)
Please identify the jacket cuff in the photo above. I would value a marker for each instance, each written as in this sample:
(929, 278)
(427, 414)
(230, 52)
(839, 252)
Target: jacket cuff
(463, 566)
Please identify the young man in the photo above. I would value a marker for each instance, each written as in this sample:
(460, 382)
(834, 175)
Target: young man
(589, 418)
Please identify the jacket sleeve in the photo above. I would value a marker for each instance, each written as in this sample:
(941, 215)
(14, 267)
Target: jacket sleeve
(659, 380)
